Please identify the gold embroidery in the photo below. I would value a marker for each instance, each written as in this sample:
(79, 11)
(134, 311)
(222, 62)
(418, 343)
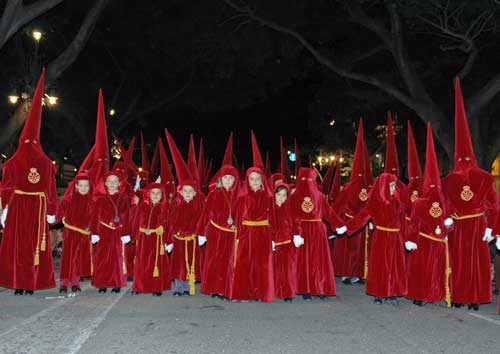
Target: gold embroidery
(307, 206)
(33, 176)
(414, 196)
(435, 210)
(363, 195)
(466, 194)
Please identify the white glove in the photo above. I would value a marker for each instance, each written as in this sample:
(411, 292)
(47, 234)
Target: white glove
(4, 217)
(410, 246)
(273, 245)
(371, 226)
(51, 219)
(331, 237)
(298, 240)
(497, 243)
(94, 239)
(125, 239)
(202, 240)
(341, 230)
(488, 237)
(137, 185)
(169, 248)
(448, 222)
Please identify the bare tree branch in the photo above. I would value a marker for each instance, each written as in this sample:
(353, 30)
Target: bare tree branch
(16, 15)
(66, 58)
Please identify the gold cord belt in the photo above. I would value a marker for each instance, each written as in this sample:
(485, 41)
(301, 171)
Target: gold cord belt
(76, 229)
(160, 248)
(470, 216)
(282, 243)
(387, 229)
(222, 228)
(42, 222)
(189, 267)
(255, 223)
(311, 220)
(235, 231)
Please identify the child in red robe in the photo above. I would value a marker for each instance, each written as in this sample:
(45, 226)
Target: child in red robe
(387, 262)
(286, 240)
(217, 228)
(252, 272)
(315, 275)
(152, 268)
(110, 233)
(75, 211)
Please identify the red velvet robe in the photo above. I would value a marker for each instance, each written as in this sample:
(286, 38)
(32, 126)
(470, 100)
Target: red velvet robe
(76, 257)
(315, 273)
(427, 265)
(386, 262)
(252, 275)
(471, 194)
(221, 238)
(110, 269)
(350, 258)
(285, 255)
(152, 265)
(182, 233)
(25, 256)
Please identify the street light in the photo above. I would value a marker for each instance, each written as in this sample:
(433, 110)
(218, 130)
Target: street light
(37, 35)
(13, 99)
(332, 122)
(50, 100)
(112, 112)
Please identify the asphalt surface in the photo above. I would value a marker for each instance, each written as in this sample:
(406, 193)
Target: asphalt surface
(91, 323)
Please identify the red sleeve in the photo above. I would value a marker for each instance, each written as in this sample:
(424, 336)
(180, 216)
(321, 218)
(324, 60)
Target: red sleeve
(7, 186)
(94, 219)
(201, 227)
(126, 217)
(331, 216)
(359, 220)
(52, 194)
(491, 203)
(62, 209)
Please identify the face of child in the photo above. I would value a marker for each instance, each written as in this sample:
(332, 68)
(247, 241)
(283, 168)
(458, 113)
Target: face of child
(392, 188)
(187, 193)
(255, 181)
(155, 195)
(83, 186)
(112, 184)
(280, 197)
(227, 181)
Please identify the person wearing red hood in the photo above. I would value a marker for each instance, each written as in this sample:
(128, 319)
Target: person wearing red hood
(75, 211)
(351, 252)
(286, 239)
(109, 233)
(386, 276)
(185, 212)
(429, 261)
(217, 228)
(251, 276)
(473, 205)
(315, 275)
(30, 198)
(152, 268)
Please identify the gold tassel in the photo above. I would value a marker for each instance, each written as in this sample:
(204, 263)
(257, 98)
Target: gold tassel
(43, 245)
(162, 249)
(37, 258)
(156, 272)
(192, 284)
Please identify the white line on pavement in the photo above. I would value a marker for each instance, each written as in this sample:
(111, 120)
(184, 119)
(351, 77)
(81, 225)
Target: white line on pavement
(485, 318)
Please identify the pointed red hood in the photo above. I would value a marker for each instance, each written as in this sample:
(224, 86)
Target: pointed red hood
(368, 167)
(358, 162)
(201, 162)
(414, 169)
(228, 155)
(284, 168)
(192, 164)
(432, 177)
(464, 150)
(267, 168)
(167, 177)
(257, 157)
(184, 176)
(335, 188)
(144, 155)
(31, 129)
(297, 157)
(155, 160)
(100, 164)
(328, 178)
(391, 154)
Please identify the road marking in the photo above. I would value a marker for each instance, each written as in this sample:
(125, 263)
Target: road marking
(63, 327)
(485, 318)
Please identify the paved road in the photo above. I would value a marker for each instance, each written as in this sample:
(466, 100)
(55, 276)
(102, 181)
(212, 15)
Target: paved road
(349, 323)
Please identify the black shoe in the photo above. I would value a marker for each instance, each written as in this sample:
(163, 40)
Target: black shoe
(177, 293)
(495, 292)
(307, 297)
(115, 290)
(377, 300)
(63, 290)
(130, 279)
(288, 299)
(393, 300)
(159, 293)
(474, 307)
(418, 302)
(347, 281)
(456, 305)
(76, 289)
(133, 292)
(214, 296)
(28, 292)
(322, 297)
(19, 292)
(102, 290)
(186, 293)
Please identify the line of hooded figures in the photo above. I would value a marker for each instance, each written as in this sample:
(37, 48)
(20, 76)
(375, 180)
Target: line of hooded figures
(251, 235)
